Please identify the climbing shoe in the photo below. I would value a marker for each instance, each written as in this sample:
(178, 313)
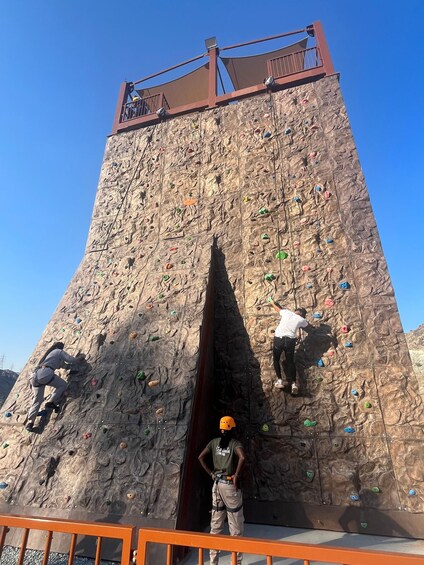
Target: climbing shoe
(52, 406)
(29, 427)
(279, 384)
(294, 389)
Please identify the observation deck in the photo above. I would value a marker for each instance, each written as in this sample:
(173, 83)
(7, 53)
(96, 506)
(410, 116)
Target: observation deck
(307, 59)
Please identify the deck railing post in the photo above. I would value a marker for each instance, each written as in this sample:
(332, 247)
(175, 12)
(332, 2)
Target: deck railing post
(122, 98)
(323, 49)
(213, 61)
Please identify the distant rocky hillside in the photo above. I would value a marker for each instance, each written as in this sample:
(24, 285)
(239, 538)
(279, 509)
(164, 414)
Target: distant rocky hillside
(415, 340)
(7, 380)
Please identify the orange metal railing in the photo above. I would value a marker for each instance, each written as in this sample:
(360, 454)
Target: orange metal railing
(268, 549)
(100, 531)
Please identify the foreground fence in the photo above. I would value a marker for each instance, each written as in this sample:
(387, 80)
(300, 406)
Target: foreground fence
(99, 531)
(175, 540)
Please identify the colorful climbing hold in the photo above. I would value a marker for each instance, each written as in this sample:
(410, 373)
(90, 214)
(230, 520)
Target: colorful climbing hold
(375, 490)
(320, 363)
(152, 384)
(344, 285)
(296, 243)
(310, 423)
(78, 320)
(123, 445)
(166, 278)
(306, 268)
(173, 312)
(130, 495)
(309, 285)
(5, 444)
(310, 475)
(189, 202)
(297, 199)
(87, 435)
(149, 306)
(160, 411)
(133, 335)
(287, 131)
(355, 392)
(269, 277)
(412, 492)
(348, 344)
(317, 315)
(354, 497)
(265, 428)
(8, 414)
(3, 485)
(266, 134)
(367, 404)
(329, 240)
(327, 195)
(263, 211)
(317, 188)
(153, 338)
(94, 382)
(364, 525)
(146, 432)
(265, 236)
(329, 302)
(344, 329)
(140, 376)
(246, 199)
(169, 266)
(349, 430)
(281, 255)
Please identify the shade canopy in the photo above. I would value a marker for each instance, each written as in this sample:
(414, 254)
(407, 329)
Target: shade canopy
(192, 87)
(252, 70)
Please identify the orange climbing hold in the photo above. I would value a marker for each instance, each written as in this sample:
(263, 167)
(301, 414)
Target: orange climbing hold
(133, 335)
(190, 202)
(149, 306)
(168, 266)
(152, 384)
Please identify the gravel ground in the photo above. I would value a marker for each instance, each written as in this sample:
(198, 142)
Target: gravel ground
(10, 556)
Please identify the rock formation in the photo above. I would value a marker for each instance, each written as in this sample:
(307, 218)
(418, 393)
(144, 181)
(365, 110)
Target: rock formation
(415, 341)
(270, 189)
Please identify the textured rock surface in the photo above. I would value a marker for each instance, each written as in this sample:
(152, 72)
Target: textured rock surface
(136, 303)
(7, 381)
(415, 341)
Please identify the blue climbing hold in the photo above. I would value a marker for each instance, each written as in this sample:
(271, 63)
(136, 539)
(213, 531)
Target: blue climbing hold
(309, 285)
(354, 497)
(320, 363)
(349, 430)
(317, 315)
(78, 320)
(355, 392)
(329, 240)
(8, 414)
(297, 199)
(319, 250)
(267, 134)
(317, 188)
(3, 485)
(348, 344)
(287, 131)
(412, 492)
(344, 285)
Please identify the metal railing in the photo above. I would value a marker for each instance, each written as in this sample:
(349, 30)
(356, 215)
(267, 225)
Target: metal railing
(297, 62)
(139, 107)
(100, 531)
(266, 548)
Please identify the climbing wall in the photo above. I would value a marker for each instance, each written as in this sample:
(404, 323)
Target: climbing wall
(274, 186)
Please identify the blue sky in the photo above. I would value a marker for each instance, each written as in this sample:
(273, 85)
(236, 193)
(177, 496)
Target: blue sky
(61, 65)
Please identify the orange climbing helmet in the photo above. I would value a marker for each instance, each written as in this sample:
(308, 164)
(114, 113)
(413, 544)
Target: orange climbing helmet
(227, 423)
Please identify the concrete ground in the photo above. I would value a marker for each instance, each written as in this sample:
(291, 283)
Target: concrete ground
(316, 537)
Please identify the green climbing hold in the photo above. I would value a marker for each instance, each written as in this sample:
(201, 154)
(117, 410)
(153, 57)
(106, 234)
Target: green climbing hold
(263, 211)
(146, 432)
(178, 210)
(161, 296)
(281, 255)
(5, 444)
(310, 423)
(319, 379)
(265, 236)
(265, 428)
(367, 404)
(141, 376)
(364, 525)
(310, 475)
(376, 490)
(269, 277)
(166, 277)
(173, 312)
(153, 338)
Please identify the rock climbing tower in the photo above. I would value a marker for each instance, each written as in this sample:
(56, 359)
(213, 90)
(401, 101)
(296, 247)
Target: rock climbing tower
(208, 204)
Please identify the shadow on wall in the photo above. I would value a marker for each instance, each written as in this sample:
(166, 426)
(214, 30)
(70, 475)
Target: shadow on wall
(238, 386)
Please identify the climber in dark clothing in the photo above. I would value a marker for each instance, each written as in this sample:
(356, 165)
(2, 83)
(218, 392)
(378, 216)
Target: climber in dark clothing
(44, 375)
